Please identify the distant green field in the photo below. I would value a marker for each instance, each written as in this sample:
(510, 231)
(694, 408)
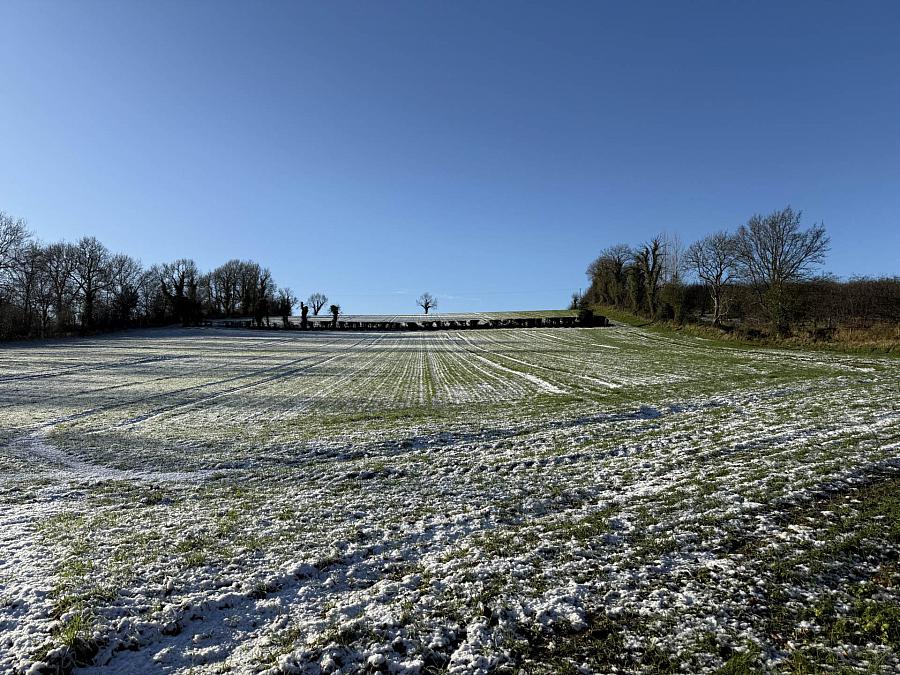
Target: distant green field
(541, 500)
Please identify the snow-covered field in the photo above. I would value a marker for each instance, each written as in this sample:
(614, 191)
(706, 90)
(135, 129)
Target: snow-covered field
(559, 500)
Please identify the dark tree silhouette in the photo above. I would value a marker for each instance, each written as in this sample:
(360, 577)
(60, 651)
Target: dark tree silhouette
(427, 301)
(59, 267)
(650, 259)
(304, 316)
(90, 275)
(178, 282)
(335, 312)
(607, 275)
(317, 302)
(285, 302)
(124, 284)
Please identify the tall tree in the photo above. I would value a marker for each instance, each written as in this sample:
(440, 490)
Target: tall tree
(59, 269)
(90, 275)
(607, 275)
(124, 284)
(225, 287)
(248, 285)
(27, 283)
(264, 297)
(178, 283)
(426, 301)
(773, 252)
(13, 237)
(285, 302)
(317, 302)
(650, 258)
(713, 260)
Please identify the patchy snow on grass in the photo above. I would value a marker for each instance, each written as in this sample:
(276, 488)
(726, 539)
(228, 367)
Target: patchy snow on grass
(553, 500)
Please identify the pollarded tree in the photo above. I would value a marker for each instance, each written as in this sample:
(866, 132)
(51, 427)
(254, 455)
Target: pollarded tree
(713, 260)
(772, 252)
(651, 260)
(427, 301)
(317, 302)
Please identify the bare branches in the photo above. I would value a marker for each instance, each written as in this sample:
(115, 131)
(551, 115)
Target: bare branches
(317, 301)
(285, 303)
(773, 251)
(713, 260)
(426, 301)
(651, 260)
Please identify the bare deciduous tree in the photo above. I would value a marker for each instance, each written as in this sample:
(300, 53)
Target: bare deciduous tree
(650, 259)
(90, 275)
(426, 301)
(286, 301)
(59, 267)
(13, 235)
(772, 251)
(713, 260)
(124, 284)
(178, 282)
(317, 302)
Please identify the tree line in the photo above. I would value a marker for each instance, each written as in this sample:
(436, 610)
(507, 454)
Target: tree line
(763, 277)
(65, 287)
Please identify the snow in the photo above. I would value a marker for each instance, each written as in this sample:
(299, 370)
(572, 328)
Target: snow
(334, 502)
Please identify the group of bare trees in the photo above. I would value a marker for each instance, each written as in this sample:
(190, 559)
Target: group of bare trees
(761, 274)
(63, 287)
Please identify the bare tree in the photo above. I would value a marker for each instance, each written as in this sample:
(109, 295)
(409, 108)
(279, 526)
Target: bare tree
(225, 287)
(772, 252)
(124, 284)
(178, 282)
(317, 302)
(265, 289)
(650, 259)
(248, 285)
(427, 301)
(285, 303)
(89, 274)
(152, 302)
(59, 268)
(13, 237)
(673, 260)
(26, 276)
(713, 260)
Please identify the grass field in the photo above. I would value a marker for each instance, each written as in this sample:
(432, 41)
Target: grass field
(558, 500)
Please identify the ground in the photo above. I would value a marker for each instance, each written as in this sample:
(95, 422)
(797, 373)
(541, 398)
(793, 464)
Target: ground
(544, 500)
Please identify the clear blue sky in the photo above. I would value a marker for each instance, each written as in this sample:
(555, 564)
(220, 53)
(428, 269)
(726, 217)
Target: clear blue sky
(482, 151)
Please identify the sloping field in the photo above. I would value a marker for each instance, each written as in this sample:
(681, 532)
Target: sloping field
(544, 500)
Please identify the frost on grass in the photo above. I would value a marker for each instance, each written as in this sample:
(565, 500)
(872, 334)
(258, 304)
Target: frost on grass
(603, 500)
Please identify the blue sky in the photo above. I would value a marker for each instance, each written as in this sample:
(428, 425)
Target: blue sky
(485, 152)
